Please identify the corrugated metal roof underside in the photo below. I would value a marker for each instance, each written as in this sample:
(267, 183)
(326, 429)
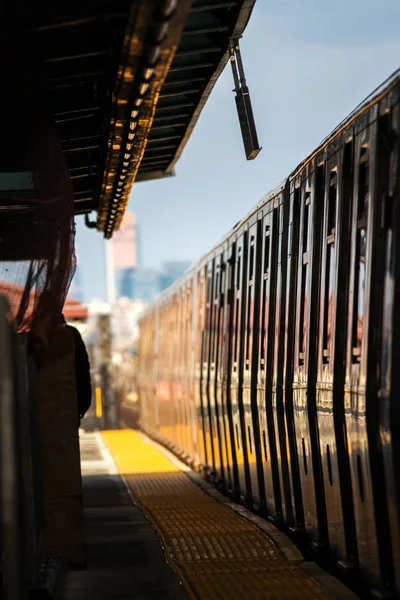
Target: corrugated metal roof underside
(201, 56)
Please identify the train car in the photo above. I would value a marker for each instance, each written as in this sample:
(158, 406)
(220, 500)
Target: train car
(271, 364)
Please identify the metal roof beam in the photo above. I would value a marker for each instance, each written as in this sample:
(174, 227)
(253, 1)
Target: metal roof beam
(163, 139)
(175, 106)
(75, 56)
(212, 7)
(168, 126)
(218, 29)
(180, 93)
(191, 67)
(171, 118)
(77, 22)
(197, 51)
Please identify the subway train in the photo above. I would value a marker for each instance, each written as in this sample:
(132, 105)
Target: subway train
(270, 366)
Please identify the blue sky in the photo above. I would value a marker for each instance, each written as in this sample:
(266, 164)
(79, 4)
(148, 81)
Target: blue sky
(308, 64)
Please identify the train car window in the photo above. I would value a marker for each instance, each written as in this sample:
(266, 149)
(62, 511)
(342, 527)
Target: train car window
(359, 295)
(263, 325)
(250, 301)
(222, 281)
(329, 283)
(236, 344)
(363, 182)
(217, 284)
(214, 270)
(209, 288)
(330, 256)
(237, 306)
(251, 261)
(264, 297)
(266, 249)
(304, 277)
(361, 245)
(332, 202)
(238, 265)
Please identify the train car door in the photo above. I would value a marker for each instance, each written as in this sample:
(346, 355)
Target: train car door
(187, 371)
(267, 422)
(311, 183)
(208, 338)
(192, 384)
(173, 367)
(154, 369)
(169, 339)
(361, 386)
(199, 393)
(331, 350)
(214, 389)
(280, 225)
(250, 363)
(186, 441)
(162, 377)
(389, 351)
(239, 305)
(225, 368)
(292, 252)
(177, 359)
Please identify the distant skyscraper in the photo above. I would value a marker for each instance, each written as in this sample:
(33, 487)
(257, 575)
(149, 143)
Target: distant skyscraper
(146, 285)
(121, 259)
(171, 271)
(124, 243)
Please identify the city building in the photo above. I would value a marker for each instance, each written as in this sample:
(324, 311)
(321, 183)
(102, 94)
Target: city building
(125, 277)
(146, 284)
(124, 244)
(122, 260)
(170, 272)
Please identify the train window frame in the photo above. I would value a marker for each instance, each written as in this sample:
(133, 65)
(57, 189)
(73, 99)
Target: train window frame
(305, 199)
(250, 299)
(361, 245)
(329, 267)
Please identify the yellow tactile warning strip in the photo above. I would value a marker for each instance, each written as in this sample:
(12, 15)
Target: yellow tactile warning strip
(216, 553)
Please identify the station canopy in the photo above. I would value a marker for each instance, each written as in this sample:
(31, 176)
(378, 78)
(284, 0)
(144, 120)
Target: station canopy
(127, 81)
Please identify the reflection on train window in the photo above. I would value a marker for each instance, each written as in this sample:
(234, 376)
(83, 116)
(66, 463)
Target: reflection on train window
(251, 261)
(266, 249)
(216, 288)
(363, 182)
(235, 357)
(249, 326)
(238, 265)
(304, 279)
(329, 281)
(332, 202)
(359, 294)
(209, 281)
(250, 301)
(263, 324)
(222, 279)
(303, 314)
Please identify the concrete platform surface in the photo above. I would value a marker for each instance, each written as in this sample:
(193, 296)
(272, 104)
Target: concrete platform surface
(124, 557)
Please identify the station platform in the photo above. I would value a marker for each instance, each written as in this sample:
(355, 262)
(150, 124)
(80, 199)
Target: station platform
(155, 529)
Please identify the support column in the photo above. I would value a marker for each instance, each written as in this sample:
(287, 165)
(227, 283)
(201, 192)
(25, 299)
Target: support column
(62, 480)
